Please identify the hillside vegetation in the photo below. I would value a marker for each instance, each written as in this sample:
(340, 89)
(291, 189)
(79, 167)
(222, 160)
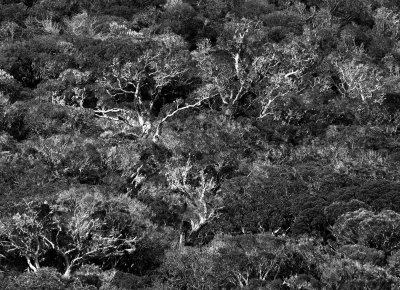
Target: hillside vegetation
(206, 144)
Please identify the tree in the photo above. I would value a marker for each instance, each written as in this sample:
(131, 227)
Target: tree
(89, 224)
(379, 231)
(189, 267)
(81, 224)
(27, 233)
(344, 273)
(8, 30)
(357, 11)
(35, 60)
(387, 22)
(359, 80)
(338, 208)
(379, 194)
(199, 195)
(257, 202)
(80, 24)
(136, 89)
(244, 258)
(244, 68)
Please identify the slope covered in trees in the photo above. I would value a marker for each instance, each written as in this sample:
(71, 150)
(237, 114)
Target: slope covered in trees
(206, 144)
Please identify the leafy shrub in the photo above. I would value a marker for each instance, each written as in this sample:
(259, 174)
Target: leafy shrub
(7, 143)
(379, 194)
(338, 208)
(15, 12)
(245, 209)
(117, 280)
(357, 11)
(394, 262)
(32, 61)
(89, 274)
(43, 279)
(282, 24)
(189, 267)
(13, 121)
(340, 273)
(45, 119)
(363, 254)
(379, 231)
(254, 9)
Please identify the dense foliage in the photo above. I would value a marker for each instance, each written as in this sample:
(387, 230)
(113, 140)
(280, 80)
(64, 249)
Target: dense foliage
(208, 144)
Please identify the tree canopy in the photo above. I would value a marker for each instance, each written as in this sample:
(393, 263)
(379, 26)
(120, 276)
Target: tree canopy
(208, 144)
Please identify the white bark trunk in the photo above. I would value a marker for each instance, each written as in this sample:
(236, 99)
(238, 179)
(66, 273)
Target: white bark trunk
(34, 267)
(67, 272)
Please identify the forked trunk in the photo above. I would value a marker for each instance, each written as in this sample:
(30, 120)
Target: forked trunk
(33, 266)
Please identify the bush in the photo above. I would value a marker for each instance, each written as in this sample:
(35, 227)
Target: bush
(378, 194)
(339, 273)
(337, 208)
(282, 24)
(254, 9)
(13, 121)
(189, 267)
(15, 12)
(379, 231)
(43, 279)
(363, 254)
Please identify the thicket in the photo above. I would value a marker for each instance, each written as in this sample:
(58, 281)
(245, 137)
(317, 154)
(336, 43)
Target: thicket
(204, 144)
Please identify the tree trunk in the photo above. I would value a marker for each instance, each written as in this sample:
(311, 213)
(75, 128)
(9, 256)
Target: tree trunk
(34, 267)
(157, 133)
(184, 230)
(192, 238)
(67, 273)
(68, 266)
(181, 240)
(36, 262)
(145, 124)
